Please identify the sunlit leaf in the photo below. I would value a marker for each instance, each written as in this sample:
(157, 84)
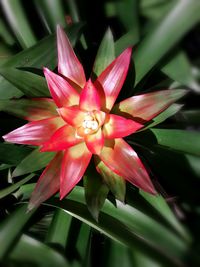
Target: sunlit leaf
(105, 54)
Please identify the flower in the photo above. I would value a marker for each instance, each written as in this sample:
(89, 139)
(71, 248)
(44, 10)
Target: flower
(81, 121)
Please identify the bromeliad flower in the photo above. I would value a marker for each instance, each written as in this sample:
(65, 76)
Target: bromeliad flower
(81, 121)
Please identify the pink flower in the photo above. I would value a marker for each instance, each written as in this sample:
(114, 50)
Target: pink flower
(81, 121)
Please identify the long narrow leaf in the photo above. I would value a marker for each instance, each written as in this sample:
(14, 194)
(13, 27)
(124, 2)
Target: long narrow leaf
(33, 162)
(36, 253)
(11, 228)
(18, 22)
(181, 18)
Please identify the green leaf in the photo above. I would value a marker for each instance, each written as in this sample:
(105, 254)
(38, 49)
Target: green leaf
(29, 83)
(159, 203)
(95, 191)
(44, 53)
(11, 227)
(179, 69)
(28, 108)
(141, 259)
(35, 253)
(5, 34)
(83, 243)
(118, 255)
(128, 225)
(155, 9)
(179, 140)
(35, 161)
(115, 183)
(10, 189)
(181, 18)
(189, 117)
(18, 22)
(128, 13)
(4, 166)
(13, 154)
(170, 111)
(194, 163)
(59, 228)
(52, 13)
(105, 54)
(7, 90)
(128, 39)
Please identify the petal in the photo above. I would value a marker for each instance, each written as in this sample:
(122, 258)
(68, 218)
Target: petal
(34, 133)
(145, 107)
(75, 162)
(30, 109)
(95, 142)
(112, 79)
(89, 98)
(117, 126)
(48, 183)
(100, 116)
(68, 63)
(72, 115)
(63, 138)
(61, 91)
(123, 160)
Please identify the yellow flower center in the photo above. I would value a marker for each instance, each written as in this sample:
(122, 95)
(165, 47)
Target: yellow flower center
(90, 125)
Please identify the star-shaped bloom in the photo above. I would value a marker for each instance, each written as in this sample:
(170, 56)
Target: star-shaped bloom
(81, 121)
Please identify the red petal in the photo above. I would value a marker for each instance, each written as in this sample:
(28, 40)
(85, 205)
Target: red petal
(95, 142)
(89, 98)
(112, 79)
(48, 183)
(149, 105)
(68, 63)
(75, 162)
(62, 139)
(117, 126)
(34, 133)
(123, 160)
(72, 115)
(61, 91)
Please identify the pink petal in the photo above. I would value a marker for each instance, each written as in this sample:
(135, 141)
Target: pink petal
(95, 142)
(117, 126)
(89, 98)
(75, 162)
(145, 107)
(48, 183)
(61, 91)
(39, 108)
(110, 81)
(34, 133)
(63, 138)
(123, 160)
(68, 63)
(72, 115)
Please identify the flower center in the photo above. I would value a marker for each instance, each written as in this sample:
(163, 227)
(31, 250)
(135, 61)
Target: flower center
(89, 125)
